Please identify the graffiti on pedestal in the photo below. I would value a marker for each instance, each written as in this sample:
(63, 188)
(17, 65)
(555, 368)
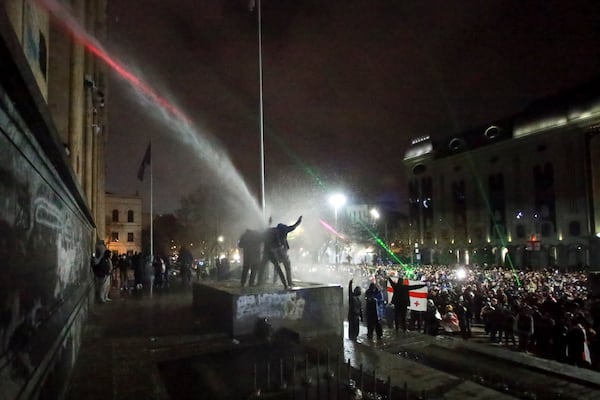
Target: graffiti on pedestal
(270, 305)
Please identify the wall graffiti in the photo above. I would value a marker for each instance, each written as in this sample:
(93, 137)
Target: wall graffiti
(44, 251)
(270, 305)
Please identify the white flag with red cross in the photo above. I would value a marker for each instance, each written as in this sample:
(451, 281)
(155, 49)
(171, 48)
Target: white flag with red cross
(418, 297)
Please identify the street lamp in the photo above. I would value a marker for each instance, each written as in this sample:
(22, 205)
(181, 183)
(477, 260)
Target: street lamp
(375, 214)
(337, 201)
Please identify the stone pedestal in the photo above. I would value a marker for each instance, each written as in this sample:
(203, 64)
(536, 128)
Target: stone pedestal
(309, 310)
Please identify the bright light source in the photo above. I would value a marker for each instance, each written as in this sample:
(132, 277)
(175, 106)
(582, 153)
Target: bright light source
(461, 273)
(220, 239)
(337, 200)
(375, 213)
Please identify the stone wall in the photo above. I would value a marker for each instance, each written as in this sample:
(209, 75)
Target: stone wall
(45, 280)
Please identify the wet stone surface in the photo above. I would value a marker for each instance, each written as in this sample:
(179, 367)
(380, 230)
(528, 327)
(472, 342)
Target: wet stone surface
(157, 348)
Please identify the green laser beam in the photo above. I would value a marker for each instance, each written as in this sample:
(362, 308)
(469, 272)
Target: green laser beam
(501, 235)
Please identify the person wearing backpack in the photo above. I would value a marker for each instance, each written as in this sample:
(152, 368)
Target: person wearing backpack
(102, 268)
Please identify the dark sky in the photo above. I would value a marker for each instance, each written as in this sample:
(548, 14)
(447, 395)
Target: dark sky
(347, 84)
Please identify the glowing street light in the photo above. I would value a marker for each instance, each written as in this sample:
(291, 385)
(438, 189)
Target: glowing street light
(375, 213)
(337, 201)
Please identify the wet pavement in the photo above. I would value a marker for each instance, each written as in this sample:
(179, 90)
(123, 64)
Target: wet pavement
(131, 348)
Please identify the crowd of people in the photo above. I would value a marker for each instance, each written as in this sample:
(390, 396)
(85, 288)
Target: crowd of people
(128, 272)
(544, 312)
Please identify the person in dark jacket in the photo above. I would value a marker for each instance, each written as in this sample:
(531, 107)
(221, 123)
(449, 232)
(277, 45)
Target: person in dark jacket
(185, 261)
(577, 348)
(401, 301)
(102, 268)
(355, 314)
(250, 242)
(525, 327)
(276, 248)
(375, 311)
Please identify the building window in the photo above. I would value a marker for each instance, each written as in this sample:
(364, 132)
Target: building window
(130, 236)
(115, 215)
(43, 55)
(547, 229)
(130, 216)
(520, 231)
(114, 236)
(574, 228)
(419, 169)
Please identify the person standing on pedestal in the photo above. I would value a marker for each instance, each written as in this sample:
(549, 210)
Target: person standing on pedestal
(250, 242)
(276, 251)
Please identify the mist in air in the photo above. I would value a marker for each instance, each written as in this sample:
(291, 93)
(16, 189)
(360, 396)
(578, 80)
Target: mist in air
(175, 124)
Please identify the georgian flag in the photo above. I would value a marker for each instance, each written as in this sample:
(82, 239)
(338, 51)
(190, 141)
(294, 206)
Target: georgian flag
(418, 297)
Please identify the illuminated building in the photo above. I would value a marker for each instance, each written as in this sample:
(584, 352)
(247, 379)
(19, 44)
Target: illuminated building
(522, 191)
(123, 224)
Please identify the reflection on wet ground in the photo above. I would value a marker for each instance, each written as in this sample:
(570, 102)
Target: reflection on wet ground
(157, 348)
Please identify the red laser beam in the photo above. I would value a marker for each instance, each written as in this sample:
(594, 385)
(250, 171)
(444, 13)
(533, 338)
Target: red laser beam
(79, 35)
(329, 228)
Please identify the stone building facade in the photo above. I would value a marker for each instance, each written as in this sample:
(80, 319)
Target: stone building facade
(52, 134)
(123, 224)
(521, 192)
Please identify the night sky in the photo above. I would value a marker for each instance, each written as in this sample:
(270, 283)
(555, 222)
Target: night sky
(347, 84)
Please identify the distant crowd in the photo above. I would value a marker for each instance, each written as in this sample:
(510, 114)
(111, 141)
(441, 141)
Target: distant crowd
(545, 312)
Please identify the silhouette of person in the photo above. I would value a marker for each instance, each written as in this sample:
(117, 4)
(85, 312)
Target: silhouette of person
(185, 260)
(276, 248)
(401, 301)
(250, 242)
(355, 314)
(375, 311)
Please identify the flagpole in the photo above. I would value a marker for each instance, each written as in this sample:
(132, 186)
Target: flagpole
(151, 213)
(262, 131)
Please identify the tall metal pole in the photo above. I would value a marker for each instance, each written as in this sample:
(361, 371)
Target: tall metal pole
(151, 205)
(337, 261)
(262, 131)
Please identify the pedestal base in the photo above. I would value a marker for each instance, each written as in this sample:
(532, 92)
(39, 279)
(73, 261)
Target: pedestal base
(310, 310)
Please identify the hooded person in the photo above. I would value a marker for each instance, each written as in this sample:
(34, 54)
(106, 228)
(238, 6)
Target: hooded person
(375, 310)
(432, 318)
(355, 314)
